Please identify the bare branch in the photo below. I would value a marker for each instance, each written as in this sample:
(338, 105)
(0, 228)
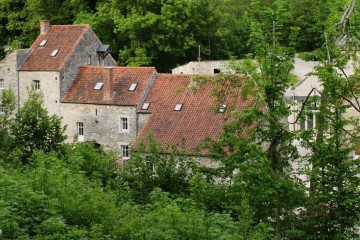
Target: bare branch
(303, 106)
(352, 104)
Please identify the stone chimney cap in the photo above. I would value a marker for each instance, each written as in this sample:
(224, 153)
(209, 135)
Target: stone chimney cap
(44, 26)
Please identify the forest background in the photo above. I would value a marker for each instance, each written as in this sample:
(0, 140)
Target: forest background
(52, 190)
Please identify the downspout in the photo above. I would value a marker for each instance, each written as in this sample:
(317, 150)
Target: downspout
(18, 90)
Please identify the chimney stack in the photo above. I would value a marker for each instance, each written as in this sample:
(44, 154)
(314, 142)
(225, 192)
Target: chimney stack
(44, 26)
(108, 82)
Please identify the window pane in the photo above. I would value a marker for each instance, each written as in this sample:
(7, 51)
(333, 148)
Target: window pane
(310, 120)
(124, 124)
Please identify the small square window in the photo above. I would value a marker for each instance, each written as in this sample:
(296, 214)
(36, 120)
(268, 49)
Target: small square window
(98, 85)
(178, 107)
(36, 84)
(133, 87)
(222, 108)
(124, 124)
(124, 151)
(42, 43)
(146, 106)
(2, 84)
(54, 53)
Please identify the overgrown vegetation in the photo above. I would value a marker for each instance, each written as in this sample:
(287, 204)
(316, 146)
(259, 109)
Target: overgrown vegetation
(167, 33)
(53, 190)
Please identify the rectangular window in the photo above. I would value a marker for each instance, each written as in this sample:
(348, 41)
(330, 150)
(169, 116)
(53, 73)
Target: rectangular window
(2, 84)
(124, 124)
(80, 131)
(89, 60)
(309, 121)
(36, 84)
(42, 43)
(2, 108)
(54, 53)
(124, 151)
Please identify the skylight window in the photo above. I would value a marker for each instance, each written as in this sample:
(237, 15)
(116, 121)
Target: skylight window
(133, 87)
(98, 85)
(146, 106)
(178, 107)
(54, 53)
(43, 42)
(222, 108)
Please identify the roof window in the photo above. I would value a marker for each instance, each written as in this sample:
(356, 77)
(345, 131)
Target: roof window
(133, 87)
(98, 85)
(178, 107)
(54, 53)
(42, 43)
(145, 106)
(222, 108)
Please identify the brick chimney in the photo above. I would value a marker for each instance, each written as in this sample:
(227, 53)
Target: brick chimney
(108, 82)
(44, 26)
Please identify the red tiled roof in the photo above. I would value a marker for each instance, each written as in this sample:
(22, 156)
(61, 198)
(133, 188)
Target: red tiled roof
(82, 90)
(196, 121)
(61, 37)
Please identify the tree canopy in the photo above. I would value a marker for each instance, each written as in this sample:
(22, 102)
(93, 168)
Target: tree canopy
(167, 33)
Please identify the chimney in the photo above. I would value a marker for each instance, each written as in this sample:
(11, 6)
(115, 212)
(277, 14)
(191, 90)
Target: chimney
(108, 82)
(44, 26)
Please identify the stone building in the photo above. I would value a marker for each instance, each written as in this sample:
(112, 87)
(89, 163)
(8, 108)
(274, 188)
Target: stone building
(102, 104)
(9, 76)
(53, 61)
(204, 67)
(113, 106)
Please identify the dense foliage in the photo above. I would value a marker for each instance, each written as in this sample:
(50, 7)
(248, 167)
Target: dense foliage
(262, 189)
(167, 33)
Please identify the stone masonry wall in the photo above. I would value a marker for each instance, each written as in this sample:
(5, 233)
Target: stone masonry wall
(101, 123)
(49, 85)
(80, 57)
(8, 68)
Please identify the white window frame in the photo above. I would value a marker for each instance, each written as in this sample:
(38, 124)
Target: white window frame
(80, 131)
(307, 124)
(36, 84)
(124, 123)
(124, 150)
(2, 83)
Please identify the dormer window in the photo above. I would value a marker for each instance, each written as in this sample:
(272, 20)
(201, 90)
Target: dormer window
(133, 87)
(98, 85)
(222, 108)
(42, 43)
(54, 53)
(178, 107)
(145, 106)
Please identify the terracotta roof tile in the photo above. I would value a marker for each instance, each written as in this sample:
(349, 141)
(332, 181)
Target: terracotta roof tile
(196, 121)
(82, 90)
(61, 37)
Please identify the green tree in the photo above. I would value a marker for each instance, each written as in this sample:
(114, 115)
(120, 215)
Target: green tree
(334, 196)
(33, 129)
(256, 150)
